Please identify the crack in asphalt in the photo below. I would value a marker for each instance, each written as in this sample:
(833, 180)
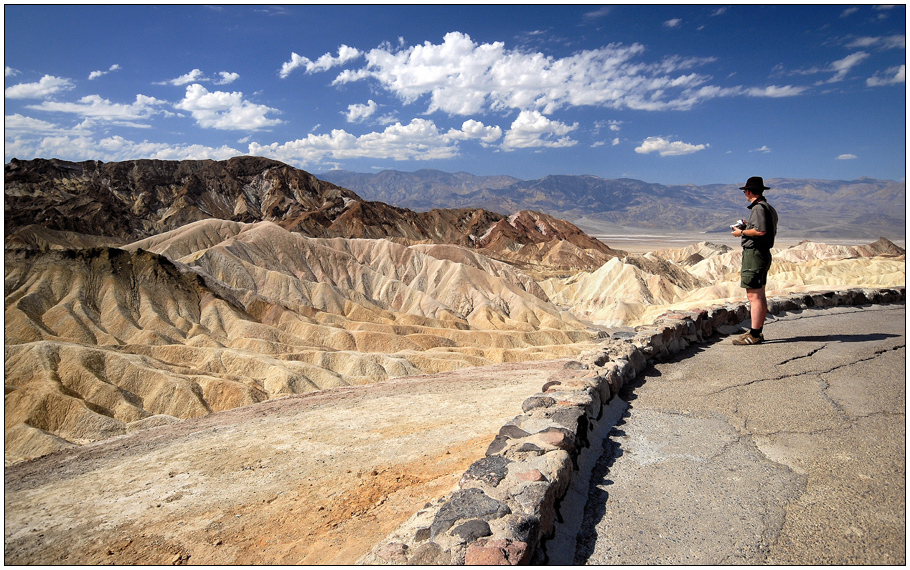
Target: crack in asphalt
(811, 353)
(823, 387)
(821, 431)
(823, 392)
(876, 354)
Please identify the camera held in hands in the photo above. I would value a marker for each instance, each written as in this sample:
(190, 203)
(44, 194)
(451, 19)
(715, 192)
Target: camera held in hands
(739, 225)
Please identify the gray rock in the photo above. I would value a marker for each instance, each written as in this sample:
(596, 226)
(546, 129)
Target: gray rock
(524, 451)
(430, 554)
(550, 384)
(777, 305)
(537, 402)
(557, 466)
(520, 526)
(467, 504)
(472, 530)
(539, 500)
(574, 420)
(513, 431)
(394, 552)
(489, 470)
(499, 443)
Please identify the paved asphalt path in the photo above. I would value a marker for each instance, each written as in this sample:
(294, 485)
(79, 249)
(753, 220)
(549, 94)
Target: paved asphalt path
(790, 452)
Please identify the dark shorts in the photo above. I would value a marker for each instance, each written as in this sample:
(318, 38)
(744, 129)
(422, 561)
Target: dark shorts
(756, 264)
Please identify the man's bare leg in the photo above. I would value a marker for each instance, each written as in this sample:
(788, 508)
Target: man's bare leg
(758, 306)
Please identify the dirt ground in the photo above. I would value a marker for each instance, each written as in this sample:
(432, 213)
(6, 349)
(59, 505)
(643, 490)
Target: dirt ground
(312, 479)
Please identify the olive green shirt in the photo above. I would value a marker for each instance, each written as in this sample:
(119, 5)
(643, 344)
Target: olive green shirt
(762, 217)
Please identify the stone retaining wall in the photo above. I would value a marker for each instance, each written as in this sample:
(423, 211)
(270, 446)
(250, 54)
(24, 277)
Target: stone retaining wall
(506, 505)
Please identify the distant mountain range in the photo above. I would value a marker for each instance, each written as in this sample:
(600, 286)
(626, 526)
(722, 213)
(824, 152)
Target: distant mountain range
(815, 209)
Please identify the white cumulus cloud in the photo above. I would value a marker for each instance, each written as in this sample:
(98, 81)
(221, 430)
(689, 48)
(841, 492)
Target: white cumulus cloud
(115, 148)
(97, 74)
(359, 112)
(880, 42)
(843, 66)
(227, 77)
(472, 129)
(324, 63)
(198, 76)
(19, 125)
(462, 77)
(420, 139)
(98, 109)
(192, 77)
(225, 111)
(532, 129)
(775, 91)
(44, 87)
(665, 147)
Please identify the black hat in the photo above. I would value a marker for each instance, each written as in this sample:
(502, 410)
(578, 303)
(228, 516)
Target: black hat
(755, 183)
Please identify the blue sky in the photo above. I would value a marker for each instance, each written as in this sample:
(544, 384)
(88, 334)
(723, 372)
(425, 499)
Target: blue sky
(669, 94)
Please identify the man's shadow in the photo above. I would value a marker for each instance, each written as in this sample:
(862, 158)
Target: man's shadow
(834, 338)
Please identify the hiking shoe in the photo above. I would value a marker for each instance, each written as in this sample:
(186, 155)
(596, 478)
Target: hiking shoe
(749, 339)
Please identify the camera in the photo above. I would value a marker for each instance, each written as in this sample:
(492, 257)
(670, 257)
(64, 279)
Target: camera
(740, 224)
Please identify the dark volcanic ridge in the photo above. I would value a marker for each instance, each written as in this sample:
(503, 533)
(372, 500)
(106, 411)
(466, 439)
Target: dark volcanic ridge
(140, 198)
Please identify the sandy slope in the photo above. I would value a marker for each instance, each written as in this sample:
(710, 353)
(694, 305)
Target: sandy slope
(636, 289)
(217, 314)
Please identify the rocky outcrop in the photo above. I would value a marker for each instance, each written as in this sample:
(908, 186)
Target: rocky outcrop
(136, 199)
(139, 198)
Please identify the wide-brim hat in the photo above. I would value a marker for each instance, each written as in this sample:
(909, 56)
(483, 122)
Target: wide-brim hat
(755, 183)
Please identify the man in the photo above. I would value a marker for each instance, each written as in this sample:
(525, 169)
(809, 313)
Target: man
(757, 241)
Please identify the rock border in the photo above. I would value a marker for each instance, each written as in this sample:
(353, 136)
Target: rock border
(506, 505)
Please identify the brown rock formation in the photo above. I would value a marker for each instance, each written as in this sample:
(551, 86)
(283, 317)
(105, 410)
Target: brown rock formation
(141, 198)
